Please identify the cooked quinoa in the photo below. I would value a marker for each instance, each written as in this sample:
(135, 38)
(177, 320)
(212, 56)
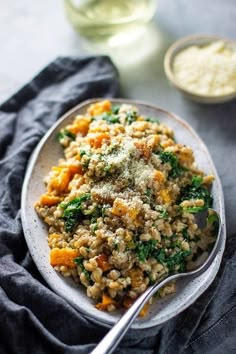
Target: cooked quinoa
(120, 205)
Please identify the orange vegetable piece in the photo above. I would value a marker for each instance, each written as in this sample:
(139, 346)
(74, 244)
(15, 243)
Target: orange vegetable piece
(96, 140)
(102, 262)
(158, 176)
(165, 195)
(128, 302)
(136, 276)
(119, 207)
(144, 310)
(80, 125)
(75, 168)
(63, 256)
(99, 107)
(60, 180)
(133, 213)
(49, 200)
(106, 301)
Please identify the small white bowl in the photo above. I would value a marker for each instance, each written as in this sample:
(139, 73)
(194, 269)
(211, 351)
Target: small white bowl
(199, 40)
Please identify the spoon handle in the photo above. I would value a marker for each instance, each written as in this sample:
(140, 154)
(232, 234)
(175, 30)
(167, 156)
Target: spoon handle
(114, 336)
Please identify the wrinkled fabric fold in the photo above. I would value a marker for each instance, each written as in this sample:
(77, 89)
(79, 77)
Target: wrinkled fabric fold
(33, 318)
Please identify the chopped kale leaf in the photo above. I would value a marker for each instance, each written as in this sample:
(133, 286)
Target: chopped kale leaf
(176, 168)
(79, 261)
(131, 116)
(115, 108)
(179, 258)
(109, 117)
(73, 211)
(152, 120)
(145, 250)
(148, 192)
(148, 249)
(196, 190)
(82, 153)
(151, 280)
(65, 133)
(185, 234)
(163, 213)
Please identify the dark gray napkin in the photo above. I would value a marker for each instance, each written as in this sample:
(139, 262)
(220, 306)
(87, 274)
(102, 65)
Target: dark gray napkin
(33, 319)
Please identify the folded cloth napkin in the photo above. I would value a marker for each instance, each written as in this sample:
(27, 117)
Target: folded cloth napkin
(33, 318)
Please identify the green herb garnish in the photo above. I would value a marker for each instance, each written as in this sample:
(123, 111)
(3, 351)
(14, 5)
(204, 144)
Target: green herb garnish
(80, 262)
(65, 133)
(163, 213)
(131, 116)
(109, 117)
(82, 153)
(196, 190)
(179, 258)
(115, 108)
(147, 249)
(152, 120)
(148, 192)
(73, 211)
(176, 168)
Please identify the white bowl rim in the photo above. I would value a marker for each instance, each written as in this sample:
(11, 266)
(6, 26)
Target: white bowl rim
(188, 41)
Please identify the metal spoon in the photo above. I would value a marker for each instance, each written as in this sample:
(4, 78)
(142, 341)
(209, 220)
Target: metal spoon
(114, 336)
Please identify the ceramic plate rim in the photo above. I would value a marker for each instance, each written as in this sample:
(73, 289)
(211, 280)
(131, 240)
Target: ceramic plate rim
(27, 233)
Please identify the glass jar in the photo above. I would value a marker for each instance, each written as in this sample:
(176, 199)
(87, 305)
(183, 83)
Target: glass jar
(96, 19)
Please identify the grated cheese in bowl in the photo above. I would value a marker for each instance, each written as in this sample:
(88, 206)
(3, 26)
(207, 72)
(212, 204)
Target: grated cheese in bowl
(206, 70)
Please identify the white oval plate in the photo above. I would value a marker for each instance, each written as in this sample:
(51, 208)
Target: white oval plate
(46, 155)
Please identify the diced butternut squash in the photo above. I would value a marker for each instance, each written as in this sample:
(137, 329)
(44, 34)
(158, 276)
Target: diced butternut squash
(106, 301)
(133, 213)
(102, 262)
(49, 200)
(158, 176)
(165, 195)
(60, 179)
(128, 302)
(119, 207)
(74, 168)
(99, 107)
(96, 140)
(63, 257)
(136, 276)
(80, 126)
(144, 310)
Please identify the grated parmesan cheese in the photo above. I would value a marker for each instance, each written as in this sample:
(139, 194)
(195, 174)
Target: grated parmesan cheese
(208, 70)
